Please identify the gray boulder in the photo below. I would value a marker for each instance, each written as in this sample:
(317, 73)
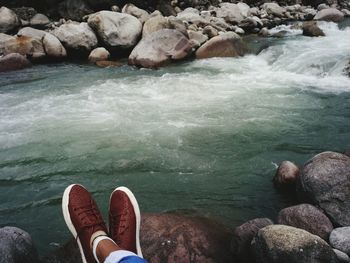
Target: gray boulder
(274, 9)
(53, 47)
(160, 48)
(325, 182)
(197, 36)
(39, 21)
(160, 22)
(232, 13)
(311, 29)
(116, 30)
(16, 245)
(329, 14)
(76, 37)
(139, 13)
(340, 239)
(26, 46)
(342, 257)
(99, 54)
(243, 236)
(191, 16)
(8, 20)
(13, 61)
(3, 39)
(226, 45)
(279, 243)
(307, 217)
(286, 175)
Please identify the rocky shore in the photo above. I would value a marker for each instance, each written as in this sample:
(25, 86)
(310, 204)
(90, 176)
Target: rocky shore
(152, 37)
(315, 231)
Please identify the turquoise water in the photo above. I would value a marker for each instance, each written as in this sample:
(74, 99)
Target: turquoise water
(202, 136)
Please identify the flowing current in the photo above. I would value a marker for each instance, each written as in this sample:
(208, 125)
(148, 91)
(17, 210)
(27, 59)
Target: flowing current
(202, 136)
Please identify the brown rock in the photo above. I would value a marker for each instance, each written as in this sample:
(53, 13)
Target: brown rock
(24, 45)
(286, 175)
(307, 217)
(311, 29)
(226, 45)
(13, 61)
(108, 64)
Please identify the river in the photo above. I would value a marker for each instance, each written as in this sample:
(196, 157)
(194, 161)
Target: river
(200, 136)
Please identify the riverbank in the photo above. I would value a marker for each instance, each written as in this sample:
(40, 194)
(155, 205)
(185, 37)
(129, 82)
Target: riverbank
(149, 40)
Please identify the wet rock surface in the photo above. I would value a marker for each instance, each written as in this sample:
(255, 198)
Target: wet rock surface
(13, 61)
(325, 182)
(340, 239)
(307, 217)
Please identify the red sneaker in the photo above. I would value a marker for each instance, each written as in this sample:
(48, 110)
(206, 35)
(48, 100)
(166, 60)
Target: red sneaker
(124, 220)
(82, 218)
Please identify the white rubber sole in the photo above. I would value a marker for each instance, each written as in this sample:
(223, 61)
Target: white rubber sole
(137, 214)
(66, 215)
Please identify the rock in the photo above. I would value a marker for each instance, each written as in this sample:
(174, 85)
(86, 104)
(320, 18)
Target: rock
(346, 12)
(3, 39)
(232, 13)
(13, 61)
(76, 37)
(307, 217)
(210, 31)
(311, 29)
(39, 21)
(243, 236)
(74, 9)
(26, 46)
(50, 44)
(169, 238)
(329, 14)
(160, 22)
(160, 48)
(25, 13)
(8, 20)
(325, 182)
(140, 14)
(264, 32)
(274, 9)
(250, 23)
(108, 64)
(286, 175)
(99, 54)
(226, 45)
(340, 239)
(16, 245)
(116, 30)
(53, 47)
(342, 257)
(192, 17)
(175, 238)
(197, 36)
(279, 243)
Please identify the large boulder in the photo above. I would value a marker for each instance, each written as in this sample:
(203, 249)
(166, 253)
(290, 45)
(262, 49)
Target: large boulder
(286, 175)
(76, 37)
(53, 47)
(311, 29)
(8, 20)
(50, 44)
(174, 238)
(329, 14)
(342, 257)
(232, 13)
(340, 239)
(226, 45)
(3, 39)
(10, 62)
(139, 13)
(279, 243)
(274, 9)
(169, 238)
(26, 46)
(16, 246)
(160, 22)
(116, 30)
(307, 217)
(325, 182)
(243, 236)
(160, 48)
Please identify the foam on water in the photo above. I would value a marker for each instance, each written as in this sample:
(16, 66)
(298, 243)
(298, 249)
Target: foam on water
(202, 135)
